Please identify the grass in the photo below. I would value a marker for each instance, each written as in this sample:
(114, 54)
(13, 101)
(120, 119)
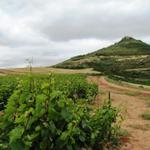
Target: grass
(46, 70)
(119, 82)
(146, 115)
(129, 93)
(124, 133)
(144, 127)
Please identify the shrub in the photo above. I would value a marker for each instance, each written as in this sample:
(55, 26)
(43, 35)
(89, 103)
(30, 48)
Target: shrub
(39, 117)
(7, 86)
(146, 115)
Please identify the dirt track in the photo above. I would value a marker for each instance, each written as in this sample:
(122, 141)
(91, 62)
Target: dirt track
(132, 102)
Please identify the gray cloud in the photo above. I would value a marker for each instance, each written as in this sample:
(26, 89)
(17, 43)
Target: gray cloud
(53, 30)
(108, 20)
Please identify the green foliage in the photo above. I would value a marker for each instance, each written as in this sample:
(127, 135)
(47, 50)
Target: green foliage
(127, 46)
(40, 115)
(146, 115)
(105, 133)
(7, 86)
(129, 59)
(73, 86)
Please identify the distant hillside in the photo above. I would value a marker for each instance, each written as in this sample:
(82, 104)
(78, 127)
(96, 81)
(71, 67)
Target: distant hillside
(127, 59)
(127, 46)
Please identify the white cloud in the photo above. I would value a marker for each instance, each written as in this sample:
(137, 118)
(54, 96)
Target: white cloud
(53, 30)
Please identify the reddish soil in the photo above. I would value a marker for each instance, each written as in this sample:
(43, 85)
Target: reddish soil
(132, 102)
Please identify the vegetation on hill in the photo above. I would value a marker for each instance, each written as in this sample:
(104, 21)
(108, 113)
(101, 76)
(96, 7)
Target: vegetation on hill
(129, 59)
(127, 46)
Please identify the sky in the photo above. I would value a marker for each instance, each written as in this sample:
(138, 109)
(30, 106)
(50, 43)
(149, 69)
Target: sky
(51, 31)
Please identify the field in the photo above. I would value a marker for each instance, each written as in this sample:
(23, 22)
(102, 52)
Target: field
(55, 111)
(46, 70)
(81, 102)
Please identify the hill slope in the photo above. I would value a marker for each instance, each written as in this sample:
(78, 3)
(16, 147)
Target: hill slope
(127, 59)
(127, 46)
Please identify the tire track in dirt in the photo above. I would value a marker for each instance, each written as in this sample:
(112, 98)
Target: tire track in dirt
(130, 101)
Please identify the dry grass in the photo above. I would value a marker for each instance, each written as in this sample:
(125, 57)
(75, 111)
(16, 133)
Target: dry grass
(143, 127)
(46, 70)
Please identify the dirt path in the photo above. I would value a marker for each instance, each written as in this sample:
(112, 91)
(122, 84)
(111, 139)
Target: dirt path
(132, 102)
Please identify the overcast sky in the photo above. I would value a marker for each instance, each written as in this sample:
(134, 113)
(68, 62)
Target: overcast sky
(51, 31)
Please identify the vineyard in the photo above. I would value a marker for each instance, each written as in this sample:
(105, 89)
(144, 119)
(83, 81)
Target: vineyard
(53, 112)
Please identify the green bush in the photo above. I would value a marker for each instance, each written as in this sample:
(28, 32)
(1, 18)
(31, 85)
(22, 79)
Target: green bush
(7, 86)
(73, 86)
(39, 117)
(146, 115)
